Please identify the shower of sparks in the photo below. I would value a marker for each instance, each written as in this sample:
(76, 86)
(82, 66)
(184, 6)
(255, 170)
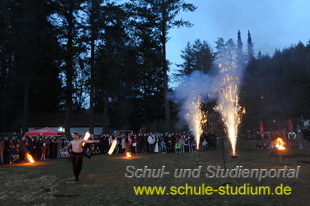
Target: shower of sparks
(196, 119)
(228, 106)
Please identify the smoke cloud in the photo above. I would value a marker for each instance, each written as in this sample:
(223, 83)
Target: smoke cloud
(223, 84)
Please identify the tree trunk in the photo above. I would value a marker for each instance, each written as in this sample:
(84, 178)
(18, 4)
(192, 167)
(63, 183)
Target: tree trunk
(105, 125)
(167, 104)
(70, 71)
(165, 71)
(69, 89)
(26, 106)
(91, 92)
(92, 61)
(3, 91)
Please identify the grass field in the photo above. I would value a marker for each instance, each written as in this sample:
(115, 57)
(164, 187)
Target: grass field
(103, 181)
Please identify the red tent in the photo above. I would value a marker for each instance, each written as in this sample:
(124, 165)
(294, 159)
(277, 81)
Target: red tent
(45, 131)
(290, 125)
(261, 128)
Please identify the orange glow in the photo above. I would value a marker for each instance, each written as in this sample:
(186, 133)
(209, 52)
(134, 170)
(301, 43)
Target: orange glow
(86, 137)
(112, 148)
(280, 144)
(128, 154)
(30, 159)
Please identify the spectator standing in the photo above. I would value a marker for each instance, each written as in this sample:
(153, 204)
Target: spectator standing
(186, 145)
(59, 146)
(140, 143)
(300, 139)
(47, 142)
(134, 144)
(23, 148)
(14, 153)
(1, 150)
(6, 151)
(33, 148)
(178, 147)
(43, 151)
(146, 143)
(163, 147)
(151, 140)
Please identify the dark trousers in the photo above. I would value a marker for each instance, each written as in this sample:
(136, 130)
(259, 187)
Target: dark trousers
(6, 155)
(140, 146)
(77, 162)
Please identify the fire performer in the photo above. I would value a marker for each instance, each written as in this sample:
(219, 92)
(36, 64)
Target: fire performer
(77, 153)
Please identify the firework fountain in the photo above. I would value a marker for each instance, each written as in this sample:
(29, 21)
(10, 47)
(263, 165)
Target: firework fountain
(228, 92)
(230, 110)
(191, 95)
(195, 118)
(223, 85)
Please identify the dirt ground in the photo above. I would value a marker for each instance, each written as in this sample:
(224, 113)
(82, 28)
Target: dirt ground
(103, 181)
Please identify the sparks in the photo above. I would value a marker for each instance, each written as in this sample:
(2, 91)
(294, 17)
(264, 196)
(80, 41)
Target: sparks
(196, 119)
(228, 100)
(230, 110)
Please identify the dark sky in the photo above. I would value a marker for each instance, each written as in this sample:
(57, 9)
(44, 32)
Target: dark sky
(274, 24)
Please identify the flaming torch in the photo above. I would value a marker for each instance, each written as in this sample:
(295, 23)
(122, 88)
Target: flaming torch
(86, 137)
(30, 158)
(112, 148)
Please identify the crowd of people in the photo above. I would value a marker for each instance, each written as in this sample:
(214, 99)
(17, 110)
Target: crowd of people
(14, 149)
(291, 139)
(157, 143)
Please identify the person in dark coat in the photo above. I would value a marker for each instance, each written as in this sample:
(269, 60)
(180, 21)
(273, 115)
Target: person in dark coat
(140, 143)
(1, 150)
(14, 153)
(23, 148)
(6, 152)
(33, 147)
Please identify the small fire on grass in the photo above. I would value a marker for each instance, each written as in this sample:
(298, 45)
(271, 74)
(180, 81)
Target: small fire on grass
(280, 144)
(30, 158)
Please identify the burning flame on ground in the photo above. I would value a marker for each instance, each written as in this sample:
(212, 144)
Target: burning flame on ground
(128, 154)
(279, 144)
(30, 158)
(228, 106)
(196, 119)
(112, 148)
